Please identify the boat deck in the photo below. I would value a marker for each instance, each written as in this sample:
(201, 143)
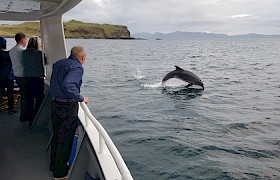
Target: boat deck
(23, 148)
(24, 154)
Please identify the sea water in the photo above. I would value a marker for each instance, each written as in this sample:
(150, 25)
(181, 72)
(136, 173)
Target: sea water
(230, 130)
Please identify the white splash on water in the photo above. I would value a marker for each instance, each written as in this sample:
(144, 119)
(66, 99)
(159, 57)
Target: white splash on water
(155, 85)
(138, 74)
(173, 83)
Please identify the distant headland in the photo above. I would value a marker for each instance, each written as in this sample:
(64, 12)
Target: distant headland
(82, 30)
(72, 29)
(196, 35)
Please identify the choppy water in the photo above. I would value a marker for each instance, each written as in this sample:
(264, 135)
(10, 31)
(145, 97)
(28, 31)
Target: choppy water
(231, 130)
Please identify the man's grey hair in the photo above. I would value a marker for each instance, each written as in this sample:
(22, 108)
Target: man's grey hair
(78, 51)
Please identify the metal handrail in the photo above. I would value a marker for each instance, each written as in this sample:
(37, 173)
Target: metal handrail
(105, 139)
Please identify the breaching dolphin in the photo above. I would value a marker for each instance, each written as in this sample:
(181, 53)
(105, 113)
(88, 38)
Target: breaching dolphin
(184, 75)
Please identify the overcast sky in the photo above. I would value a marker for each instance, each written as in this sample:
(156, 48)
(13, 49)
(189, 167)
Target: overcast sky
(214, 16)
(217, 16)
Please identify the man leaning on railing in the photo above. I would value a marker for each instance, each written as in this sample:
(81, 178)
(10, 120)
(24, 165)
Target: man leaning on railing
(65, 84)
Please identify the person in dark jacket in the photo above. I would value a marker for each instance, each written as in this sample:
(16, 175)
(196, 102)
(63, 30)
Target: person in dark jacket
(66, 81)
(6, 76)
(33, 71)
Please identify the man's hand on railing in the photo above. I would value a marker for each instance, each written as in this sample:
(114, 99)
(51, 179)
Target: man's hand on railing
(86, 100)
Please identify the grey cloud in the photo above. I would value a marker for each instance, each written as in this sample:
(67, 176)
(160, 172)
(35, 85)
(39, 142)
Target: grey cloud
(183, 15)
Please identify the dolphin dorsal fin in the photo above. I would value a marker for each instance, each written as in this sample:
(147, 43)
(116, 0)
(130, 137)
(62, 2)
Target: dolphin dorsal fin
(178, 68)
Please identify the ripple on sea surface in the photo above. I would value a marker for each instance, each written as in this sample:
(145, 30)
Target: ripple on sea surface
(228, 131)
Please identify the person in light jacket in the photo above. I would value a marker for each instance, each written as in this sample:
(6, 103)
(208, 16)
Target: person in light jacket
(16, 58)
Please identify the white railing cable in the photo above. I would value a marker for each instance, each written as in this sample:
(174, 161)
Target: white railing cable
(104, 138)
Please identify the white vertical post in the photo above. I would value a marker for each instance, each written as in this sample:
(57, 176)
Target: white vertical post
(53, 39)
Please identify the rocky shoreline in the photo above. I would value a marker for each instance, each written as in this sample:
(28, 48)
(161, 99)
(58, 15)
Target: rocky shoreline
(72, 29)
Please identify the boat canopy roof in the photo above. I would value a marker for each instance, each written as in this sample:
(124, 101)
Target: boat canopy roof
(31, 10)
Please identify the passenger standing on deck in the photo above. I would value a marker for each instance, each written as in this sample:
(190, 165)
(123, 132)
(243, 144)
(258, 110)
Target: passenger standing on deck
(6, 75)
(16, 58)
(33, 71)
(65, 84)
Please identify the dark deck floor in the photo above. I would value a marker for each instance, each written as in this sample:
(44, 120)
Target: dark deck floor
(23, 153)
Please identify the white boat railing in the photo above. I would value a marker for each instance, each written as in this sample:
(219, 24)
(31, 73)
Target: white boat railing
(104, 140)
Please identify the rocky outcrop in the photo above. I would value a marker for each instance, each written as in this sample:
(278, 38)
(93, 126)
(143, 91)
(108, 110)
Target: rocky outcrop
(72, 29)
(77, 29)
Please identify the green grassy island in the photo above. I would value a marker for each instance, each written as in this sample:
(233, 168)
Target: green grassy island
(72, 29)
